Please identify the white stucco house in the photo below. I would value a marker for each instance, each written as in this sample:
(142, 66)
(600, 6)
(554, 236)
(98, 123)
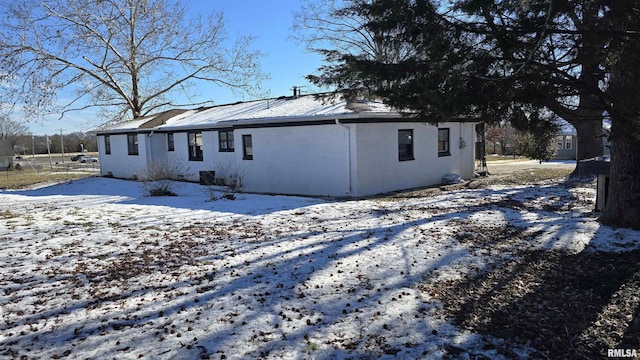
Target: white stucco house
(293, 145)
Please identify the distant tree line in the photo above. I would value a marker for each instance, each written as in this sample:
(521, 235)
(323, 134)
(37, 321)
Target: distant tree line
(73, 143)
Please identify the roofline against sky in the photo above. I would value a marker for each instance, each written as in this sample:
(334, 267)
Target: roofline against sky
(350, 116)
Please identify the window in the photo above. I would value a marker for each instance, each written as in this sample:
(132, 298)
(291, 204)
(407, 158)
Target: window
(560, 141)
(107, 144)
(568, 142)
(132, 144)
(171, 146)
(405, 145)
(247, 147)
(195, 145)
(225, 140)
(443, 142)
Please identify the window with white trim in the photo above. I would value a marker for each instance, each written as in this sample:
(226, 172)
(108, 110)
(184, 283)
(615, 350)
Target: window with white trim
(568, 141)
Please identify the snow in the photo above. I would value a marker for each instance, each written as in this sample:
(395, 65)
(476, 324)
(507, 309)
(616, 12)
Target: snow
(130, 124)
(94, 269)
(302, 108)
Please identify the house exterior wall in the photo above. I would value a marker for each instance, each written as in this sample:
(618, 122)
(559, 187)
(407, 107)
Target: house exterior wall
(342, 159)
(178, 159)
(157, 149)
(379, 169)
(309, 160)
(119, 163)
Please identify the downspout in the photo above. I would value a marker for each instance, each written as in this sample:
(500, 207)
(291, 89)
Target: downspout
(463, 144)
(349, 154)
(149, 149)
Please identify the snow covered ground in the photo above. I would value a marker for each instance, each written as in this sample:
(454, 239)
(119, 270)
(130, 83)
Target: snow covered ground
(94, 269)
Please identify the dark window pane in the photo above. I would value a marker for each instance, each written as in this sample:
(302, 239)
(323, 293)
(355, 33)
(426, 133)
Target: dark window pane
(225, 140)
(195, 146)
(405, 145)
(247, 145)
(170, 143)
(443, 142)
(132, 144)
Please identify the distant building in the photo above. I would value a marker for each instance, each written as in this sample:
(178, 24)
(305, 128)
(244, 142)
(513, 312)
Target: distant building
(567, 140)
(6, 154)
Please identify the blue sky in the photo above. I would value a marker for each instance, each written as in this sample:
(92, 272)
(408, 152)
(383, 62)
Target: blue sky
(286, 61)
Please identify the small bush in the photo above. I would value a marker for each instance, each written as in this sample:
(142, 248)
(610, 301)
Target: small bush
(235, 182)
(234, 179)
(230, 184)
(229, 196)
(159, 179)
(161, 191)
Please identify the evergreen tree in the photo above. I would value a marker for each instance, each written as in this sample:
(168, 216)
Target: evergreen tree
(495, 59)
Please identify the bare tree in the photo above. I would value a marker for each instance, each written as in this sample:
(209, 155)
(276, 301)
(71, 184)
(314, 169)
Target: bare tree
(11, 130)
(334, 24)
(496, 135)
(119, 55)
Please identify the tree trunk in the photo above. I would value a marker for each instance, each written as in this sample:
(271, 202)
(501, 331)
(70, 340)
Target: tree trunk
(590, 144)
(622, 208)
(623, 203)
(590, 139)
(587, 118)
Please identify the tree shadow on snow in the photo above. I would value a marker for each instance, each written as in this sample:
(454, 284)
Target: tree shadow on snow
(373, 290)
(563, 305)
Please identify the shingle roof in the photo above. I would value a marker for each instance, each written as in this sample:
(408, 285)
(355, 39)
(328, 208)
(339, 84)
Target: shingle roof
(161, 118)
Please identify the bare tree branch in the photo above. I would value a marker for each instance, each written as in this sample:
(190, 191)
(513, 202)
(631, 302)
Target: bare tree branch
(11, 130)
(136, 54)
(331, 24)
